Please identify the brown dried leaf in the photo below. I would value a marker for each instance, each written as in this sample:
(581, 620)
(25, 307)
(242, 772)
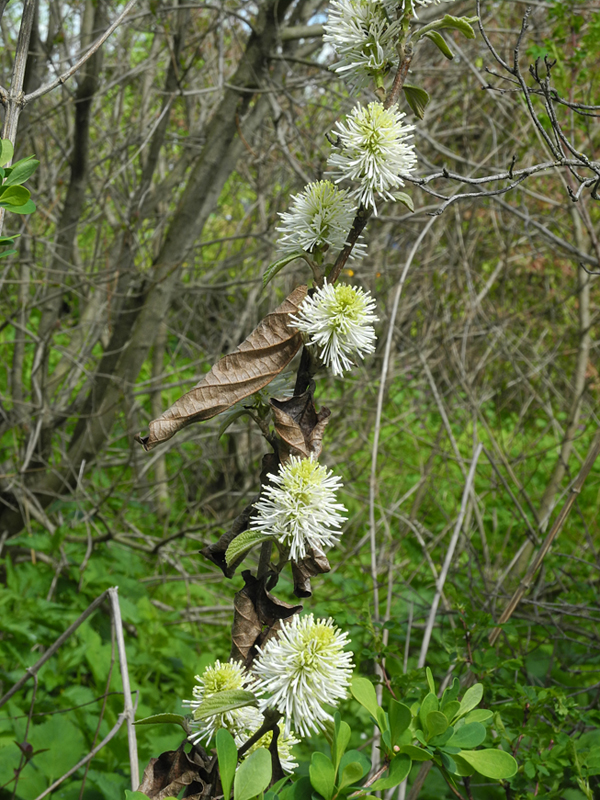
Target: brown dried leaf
(256, 617)
(269, 349)
(167, 775)
(299, 426)
(315, 563)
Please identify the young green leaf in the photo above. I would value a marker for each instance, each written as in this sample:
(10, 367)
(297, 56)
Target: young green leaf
(471, 699)
(417, 99)
(278, 265)
(496, 764)
(415, 753)
(163, 719)
(451, 709)
(430, 703)
(440, 42)
(341, 737)
(27, 208)
(405, 199)
(398, 771)
(470, 735)
(227, 756)
(436, 723)
(479, 715)
(14, 195)
(351, 774)
(363, 690)
(400, 719)
(448, 763)
(462, 24)
(21, 171)
(253, 775)
(6, 151)
(450, 694)
(322, 775)
(220, 702)
(242, 543)
(355, 756)
(430, 681)
(7, 253)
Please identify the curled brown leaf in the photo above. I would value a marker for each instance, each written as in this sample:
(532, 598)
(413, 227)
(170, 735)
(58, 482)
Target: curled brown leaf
(314, 563)
(263, 355)
(168, 774)
(299, 426)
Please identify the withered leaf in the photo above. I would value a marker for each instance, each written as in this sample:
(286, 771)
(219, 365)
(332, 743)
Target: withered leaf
(314, 563)
(167, 775)
(299, 426)
(263, 355)
(256, 617)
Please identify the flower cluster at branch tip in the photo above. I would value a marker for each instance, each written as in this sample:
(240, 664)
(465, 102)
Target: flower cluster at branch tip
(302, 669)
(374, 149)
(285, 742)
(220, 677)
(320, 216)
(338, 319)
(299, 509)
(364, 37)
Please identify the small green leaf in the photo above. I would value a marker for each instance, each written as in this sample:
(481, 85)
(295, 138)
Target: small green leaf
(438, 741)
(220, 702)
(322, 775)
(355, 756)
(26, 208)
(405, 199)
(162, 719)
(6, 151)
(382, 719)
(496, 764)
(437, 723)
(462, 24)
(448, 763)
(417, 99)
(277, 266)
(398, 771)
(468, 736)
(253, 775)
(471, 699)
(352, 773)
(441, 43)
(430, 681)
(400, 719)
(364, 691)
(7, 253)
(21, 171)
(299, 790)
(242, 543)
(430, 703)
(341, 738)
(479, 715)
(415, 753)
(227, 755)
(451, 709)
(462, 768)
(14, 195)
(450, 694)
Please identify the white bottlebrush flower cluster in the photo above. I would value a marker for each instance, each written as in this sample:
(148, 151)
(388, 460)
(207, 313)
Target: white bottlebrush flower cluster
(374, 148)
(338, 319)
(320, 217)
(364, 37)
(299, 509)
(302, 669)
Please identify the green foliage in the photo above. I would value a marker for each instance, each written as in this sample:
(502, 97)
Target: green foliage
(253, 775)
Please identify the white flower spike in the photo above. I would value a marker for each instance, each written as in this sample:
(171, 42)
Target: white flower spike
(285, 742)
(364, 36)
(338, 319)
(299, 509)
(320, 216)
(218, 678)
(374, 149)
(302, 669)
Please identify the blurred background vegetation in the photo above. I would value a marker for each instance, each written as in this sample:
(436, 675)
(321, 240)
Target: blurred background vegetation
(164, 164)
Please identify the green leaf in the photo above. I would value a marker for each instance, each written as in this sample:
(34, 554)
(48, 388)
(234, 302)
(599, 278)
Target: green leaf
(430, 703)
(220, 702)
(21, 171)
(15, 195)
(382, 719)
(7, 253)
(137, 795)
(437, 723)
(415, 753)
(451, 709)
(462, 768)
(462, 24)
(242, 543)
(479, 715)
(398, 771)
(322, 775)
(450, 695)
(227, 755)
(253, 775)
(437, 741)
(352, 773)
(417, 99)
(355, 756)
(300, 790)
(364, 691)
(405, 199)
(6, 151)
(471, 699)
(430, 681)
(448, 763)
(496, 764)
(27, 208)
(162, 719)
(441, 43)
(341, 737)
(277, 266)
(469, 736)
(231, 418)
(400, 719)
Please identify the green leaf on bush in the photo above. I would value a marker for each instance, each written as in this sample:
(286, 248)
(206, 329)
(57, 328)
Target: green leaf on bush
(14, 195)
(451, 709)
(398, 771)
(355, 756)
(437, 723)
(440, 42)
(220, 702)
(417, 99)
(462, 768)
(322, 775)
(277, 266)
(450, 695)
(6, 151)
(415, 753)
(479, 715)
(448, 763)
(363, 690)
(352, 773)
(227, 755)
(430, 703)
(21, 171)
(163, 719)
(462, 24)
(7, 253)
(468, 736)
(400, 719)
(405, 199)
(341, 737)
(242, 543)
(27, 208)
(253, 775)
(471, 699)
(496, 764)
(430, 681)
